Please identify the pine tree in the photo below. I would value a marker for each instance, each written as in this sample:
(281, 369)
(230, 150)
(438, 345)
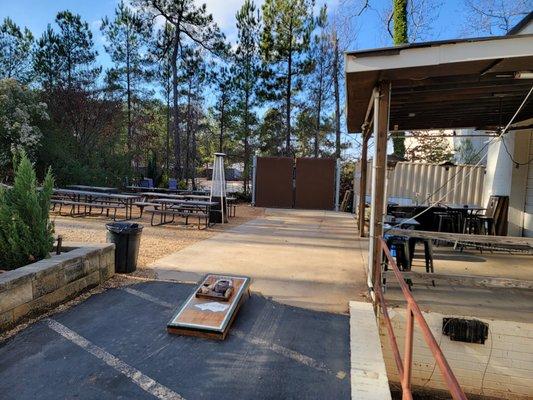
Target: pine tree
(320, 79)
(400, 36)
(16, 47)
(247, 68)
(224, 89)
(162, 59)
(336, 71)
(270, 141)
(193, 76)
(66, 58)
(190, 23)
(127, 36)
(285, 39)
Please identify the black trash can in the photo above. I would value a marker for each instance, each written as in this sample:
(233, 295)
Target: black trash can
(127, 239)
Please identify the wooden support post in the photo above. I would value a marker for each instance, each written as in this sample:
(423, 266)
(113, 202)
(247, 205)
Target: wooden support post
(381, 128)
(362, 182)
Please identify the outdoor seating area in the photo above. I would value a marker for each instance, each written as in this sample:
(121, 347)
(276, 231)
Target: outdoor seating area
(222, 201)
(162, 205)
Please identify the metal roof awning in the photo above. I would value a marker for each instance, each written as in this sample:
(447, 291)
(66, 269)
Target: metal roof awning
(444, 84)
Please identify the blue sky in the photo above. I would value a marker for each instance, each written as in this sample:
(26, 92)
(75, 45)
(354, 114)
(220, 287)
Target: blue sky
(366, 32)
(36, 14)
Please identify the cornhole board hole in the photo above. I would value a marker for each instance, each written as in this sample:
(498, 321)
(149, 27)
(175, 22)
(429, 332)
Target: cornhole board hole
(210, 318)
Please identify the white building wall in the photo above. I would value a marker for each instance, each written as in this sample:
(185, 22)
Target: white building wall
(501, 368)
(499, 167)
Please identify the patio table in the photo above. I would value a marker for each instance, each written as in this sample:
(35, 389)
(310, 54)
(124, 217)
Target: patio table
(102, 189)
(91, 196)
(187, 206)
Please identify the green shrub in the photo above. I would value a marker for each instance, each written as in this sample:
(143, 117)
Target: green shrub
(26, 233)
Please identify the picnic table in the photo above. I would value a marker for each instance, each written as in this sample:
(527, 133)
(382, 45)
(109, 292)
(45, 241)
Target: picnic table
(102, 189)
(135, 188)
(155, 195)
(181, 207)
(90, 199)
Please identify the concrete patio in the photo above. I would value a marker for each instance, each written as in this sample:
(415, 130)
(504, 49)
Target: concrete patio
(304, 258)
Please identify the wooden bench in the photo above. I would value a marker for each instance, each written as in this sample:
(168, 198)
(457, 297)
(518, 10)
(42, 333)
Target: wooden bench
(185, 213)
(77, 204)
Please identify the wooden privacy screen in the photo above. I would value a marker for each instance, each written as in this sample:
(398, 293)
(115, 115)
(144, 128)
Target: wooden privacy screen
(315, 183)
(273, 182)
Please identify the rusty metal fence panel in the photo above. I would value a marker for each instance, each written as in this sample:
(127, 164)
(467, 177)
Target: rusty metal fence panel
(315, 183)
(274, 182)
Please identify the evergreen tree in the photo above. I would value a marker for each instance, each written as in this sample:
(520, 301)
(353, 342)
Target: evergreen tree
(193, 76)
(247, 68)
(47, 59)
(399, 16)
(15, 52)
(191, 23)
(270, 141)
(66, 58)
(430, 147)
(337, 73)
(162, 59)
(26, 233)
(319, 80)
(127, 36)
(224, 89)
(285, 39)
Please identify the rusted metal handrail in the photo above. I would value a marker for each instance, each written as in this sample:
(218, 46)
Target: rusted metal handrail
(413, 314)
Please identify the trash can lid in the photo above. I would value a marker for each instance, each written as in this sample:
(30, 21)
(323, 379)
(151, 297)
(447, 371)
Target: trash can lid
(124, 227)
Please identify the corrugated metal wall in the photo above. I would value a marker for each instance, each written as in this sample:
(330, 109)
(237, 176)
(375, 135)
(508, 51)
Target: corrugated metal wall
(415, 181)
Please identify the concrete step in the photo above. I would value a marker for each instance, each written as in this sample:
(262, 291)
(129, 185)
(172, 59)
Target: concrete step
(368, 375)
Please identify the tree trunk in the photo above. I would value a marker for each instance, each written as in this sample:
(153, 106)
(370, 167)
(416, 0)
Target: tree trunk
(318, 115)
(222, 116)
(188, 136)
(128, 93)
(288, 106)
(246, 145)
(337, 96)
(288, 94)
(167, 150)
(175, 111)
(194, 156)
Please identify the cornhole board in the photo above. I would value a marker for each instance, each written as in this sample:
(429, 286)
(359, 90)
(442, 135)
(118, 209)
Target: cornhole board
(210, 318)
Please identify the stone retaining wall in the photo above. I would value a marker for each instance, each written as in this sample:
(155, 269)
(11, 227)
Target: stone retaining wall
(34, 288)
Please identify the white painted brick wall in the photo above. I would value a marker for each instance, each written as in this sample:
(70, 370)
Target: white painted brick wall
(502, 367)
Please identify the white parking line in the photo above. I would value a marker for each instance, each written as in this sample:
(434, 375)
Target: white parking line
(285, 352)
(144, 382)
(148, 297)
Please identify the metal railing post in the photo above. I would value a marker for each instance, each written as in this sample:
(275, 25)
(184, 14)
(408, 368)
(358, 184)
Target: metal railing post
(413, 314)
(408, 355)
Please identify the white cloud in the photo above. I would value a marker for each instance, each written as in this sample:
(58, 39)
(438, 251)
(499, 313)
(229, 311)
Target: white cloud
(223, 12)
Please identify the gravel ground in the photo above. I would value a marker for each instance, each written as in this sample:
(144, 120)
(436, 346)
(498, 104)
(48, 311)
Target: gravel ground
(157, 241)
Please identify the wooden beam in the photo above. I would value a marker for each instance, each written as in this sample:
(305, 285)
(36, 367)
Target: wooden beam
(450, 280)
(466, 238)
(362, 182)
(379, 175)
